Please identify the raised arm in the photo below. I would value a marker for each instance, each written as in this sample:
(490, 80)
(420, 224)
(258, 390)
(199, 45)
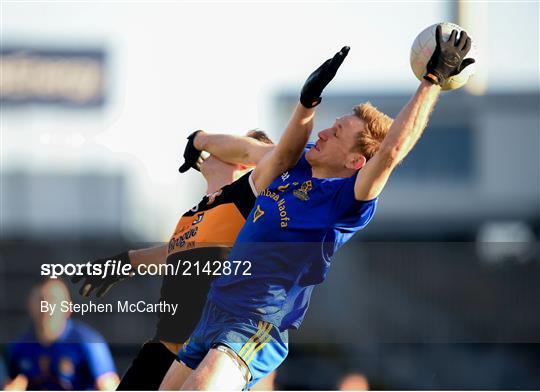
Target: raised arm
(229, 148)
(288, 150)
(447, 60)
(296, 135)
(233, 149)
(402, 136)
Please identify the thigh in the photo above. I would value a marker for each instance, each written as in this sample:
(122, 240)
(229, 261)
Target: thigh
(261, 347)
(148, 368)
(267, 383)
(217, 371)
(176, 376)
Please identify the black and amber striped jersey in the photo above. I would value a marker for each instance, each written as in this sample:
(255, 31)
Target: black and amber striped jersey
(203, 236)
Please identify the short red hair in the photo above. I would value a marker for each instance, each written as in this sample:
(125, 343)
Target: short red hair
(376, 126)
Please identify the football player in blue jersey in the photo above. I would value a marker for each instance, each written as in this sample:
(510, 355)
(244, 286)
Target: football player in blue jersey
(299, 221)
(58, 353)
(212, 224)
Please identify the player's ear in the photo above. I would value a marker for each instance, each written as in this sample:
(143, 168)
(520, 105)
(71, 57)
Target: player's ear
(355, 161)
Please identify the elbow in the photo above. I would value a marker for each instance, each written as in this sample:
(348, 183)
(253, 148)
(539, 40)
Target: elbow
(284, 162)
(242, 156)
(288, 161)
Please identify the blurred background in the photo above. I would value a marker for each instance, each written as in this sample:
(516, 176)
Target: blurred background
(440, 291)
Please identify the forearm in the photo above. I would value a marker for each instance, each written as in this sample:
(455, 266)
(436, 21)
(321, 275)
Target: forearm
(410, 123)
(289, 149)
(294, 138)
(154, 255)
(230, 148)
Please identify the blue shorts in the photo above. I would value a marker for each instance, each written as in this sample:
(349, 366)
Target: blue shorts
(259, 344)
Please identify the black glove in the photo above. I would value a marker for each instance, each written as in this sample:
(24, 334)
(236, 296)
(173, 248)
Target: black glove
(448, 58)
(191, 155)
(97, 282)
(319, 79)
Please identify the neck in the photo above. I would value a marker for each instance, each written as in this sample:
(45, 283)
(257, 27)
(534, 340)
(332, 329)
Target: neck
(326, 172)
(218, 181)
(51, 332)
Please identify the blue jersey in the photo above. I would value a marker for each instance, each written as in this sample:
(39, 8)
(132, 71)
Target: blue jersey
(73, 362)
(294, 229)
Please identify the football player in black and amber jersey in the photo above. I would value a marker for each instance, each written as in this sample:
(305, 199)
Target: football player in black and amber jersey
(205, 234)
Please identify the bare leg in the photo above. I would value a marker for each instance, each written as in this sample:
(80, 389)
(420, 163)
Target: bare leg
(175, 377)
(266, 384)
(217, 371)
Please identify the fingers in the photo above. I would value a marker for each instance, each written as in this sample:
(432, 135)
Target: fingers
(452, 38)
(463, 43)
(100, 288)
(344, 51)
(466, 63)
(197, 165)
(191, 161)
(438, 35)
(462, 40)
(325, 65)
(86, 289)
(76, 278)
(467, 46)
(339, 57)
(310, 96)
(184, 168)
(103, 290)
(89, 285)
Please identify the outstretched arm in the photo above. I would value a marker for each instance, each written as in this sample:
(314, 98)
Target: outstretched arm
(401, 138)
(233, 149)
(248, 151)
(101, 285)
(447, 60)
(271, 161)
(288, 150)
(229, 148)
(294, 139)
(148, 256)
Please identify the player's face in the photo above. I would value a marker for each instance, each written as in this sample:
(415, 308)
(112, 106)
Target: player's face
(46, 324)
(333, 148)
(211, 165)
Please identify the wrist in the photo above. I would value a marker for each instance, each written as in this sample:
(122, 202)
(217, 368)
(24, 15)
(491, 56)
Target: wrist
(309, 103)
(434, 77)
(199, 140)
(428, 85)
(429, 91)
(302, 112)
